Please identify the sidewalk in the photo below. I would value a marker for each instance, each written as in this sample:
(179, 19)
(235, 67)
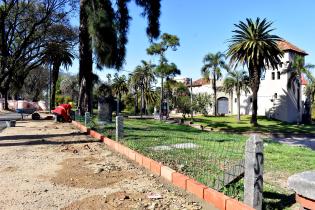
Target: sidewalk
(47, 165)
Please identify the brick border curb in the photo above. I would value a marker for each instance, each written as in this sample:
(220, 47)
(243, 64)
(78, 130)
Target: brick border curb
(211, 196)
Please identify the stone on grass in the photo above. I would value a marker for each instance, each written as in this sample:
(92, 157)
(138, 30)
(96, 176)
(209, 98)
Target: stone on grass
(185, 146)
(303, 184)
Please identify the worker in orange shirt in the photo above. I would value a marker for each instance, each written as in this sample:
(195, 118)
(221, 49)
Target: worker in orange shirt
(62, 113)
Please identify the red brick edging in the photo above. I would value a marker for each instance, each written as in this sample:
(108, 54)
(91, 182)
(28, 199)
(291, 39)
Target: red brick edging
(219, 200)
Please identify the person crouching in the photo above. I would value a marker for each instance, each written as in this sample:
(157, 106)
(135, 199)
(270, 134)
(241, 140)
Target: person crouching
(62, 113)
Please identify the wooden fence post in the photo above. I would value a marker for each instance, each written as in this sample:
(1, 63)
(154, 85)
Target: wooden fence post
(254, 167)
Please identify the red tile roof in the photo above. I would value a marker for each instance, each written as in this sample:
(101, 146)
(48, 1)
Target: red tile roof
(287, 46)
(199, 82)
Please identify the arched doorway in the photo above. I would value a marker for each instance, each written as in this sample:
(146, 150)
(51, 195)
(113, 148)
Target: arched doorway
(223, 105)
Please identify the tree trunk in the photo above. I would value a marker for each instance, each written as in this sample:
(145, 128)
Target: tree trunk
(6, 104)
(214, 87)
(238, 105)
(117, 108)
(86, 64)
(255, 81)
(161, 102)
(136, 103)
(81, 97)
(55, 75)
(142, 101)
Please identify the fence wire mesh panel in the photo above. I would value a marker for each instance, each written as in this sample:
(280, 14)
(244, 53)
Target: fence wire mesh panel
(216, 161)
(218, 164)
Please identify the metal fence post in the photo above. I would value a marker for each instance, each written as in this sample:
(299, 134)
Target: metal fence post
(87, 118)
(119, 127)
(254, 166)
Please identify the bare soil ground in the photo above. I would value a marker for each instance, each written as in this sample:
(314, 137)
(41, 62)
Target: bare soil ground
(47, 165)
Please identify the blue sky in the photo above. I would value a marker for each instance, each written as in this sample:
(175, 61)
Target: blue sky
(204, 26)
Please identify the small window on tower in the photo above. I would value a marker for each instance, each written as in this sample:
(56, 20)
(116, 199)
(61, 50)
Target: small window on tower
(278, 74)
(235, 100)
(273, 75)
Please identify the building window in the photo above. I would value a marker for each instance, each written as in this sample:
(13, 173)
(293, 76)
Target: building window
(273, 75)
(280, 65)
(278, 75)
(235, 100)
(251, 99)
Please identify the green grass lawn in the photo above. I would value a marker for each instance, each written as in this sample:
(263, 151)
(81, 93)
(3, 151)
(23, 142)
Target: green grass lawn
(230, 124)
(215, 153)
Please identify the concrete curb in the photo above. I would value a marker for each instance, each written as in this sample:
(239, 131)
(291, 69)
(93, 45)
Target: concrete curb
(217, 199)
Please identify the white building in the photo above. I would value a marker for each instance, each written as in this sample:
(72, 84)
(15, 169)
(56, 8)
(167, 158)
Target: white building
(276, 97)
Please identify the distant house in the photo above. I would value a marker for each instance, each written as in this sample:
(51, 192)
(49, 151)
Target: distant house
(276, 97)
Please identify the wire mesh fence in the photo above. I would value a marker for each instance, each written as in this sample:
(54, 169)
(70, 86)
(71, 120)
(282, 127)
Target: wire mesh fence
(216, 162)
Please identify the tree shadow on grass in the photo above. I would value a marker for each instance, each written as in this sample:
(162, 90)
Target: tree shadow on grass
(273, 200)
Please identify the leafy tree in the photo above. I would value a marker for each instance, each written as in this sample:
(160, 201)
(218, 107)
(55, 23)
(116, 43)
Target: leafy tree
(212, 68)
(25, 30)
(119, 87)
(237, 81)
(69, 86)
(201, 103)
(164, 70)
(35, 84)
(253, 45)
(104, 28)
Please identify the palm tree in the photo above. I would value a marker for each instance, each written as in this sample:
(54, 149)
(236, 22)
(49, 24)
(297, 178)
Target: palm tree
(144, 75)
(253, 45)
(119, 87)
(212, 68)
(236, 81)
(57, 55)
(297, 69)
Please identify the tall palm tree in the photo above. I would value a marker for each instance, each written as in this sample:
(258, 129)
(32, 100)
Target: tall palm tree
(119, 87)
(253, 45)
(236, 81)
(57, 55)
(144, 74)
(212, 69)
(296, 70)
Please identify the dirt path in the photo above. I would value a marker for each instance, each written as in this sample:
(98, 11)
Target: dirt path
(44, 165)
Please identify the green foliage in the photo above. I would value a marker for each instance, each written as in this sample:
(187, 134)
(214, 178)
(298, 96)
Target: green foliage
(254, 46)
(183, 104)
(108, 26)
(212, 69)
(119, 85)
(202, 102)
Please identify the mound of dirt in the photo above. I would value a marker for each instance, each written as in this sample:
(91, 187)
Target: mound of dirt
(114, 201)
(78, 172)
